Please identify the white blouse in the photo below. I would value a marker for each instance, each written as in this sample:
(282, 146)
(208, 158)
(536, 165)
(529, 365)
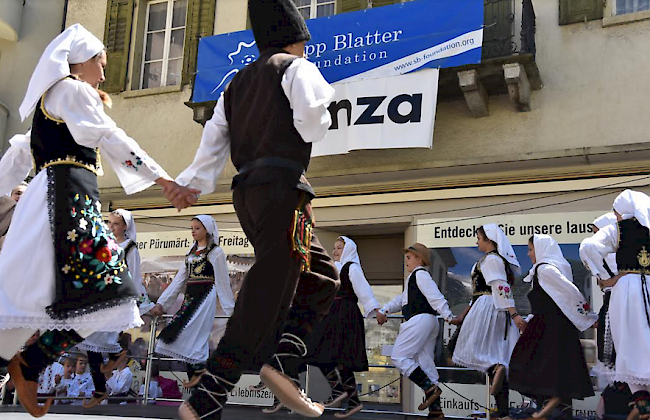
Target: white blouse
(428, 288)
(566, 296)
(494, 272)
(362, 289)
(221, 278)
(595, 249)
(309, 95)
(78, 104)
(120, 382)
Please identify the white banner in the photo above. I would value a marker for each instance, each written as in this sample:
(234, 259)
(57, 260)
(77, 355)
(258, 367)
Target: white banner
(566, 228)
(178, 242)
(386, 113)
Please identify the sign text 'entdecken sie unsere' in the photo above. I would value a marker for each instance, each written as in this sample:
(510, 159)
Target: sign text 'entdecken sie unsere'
(564, 227)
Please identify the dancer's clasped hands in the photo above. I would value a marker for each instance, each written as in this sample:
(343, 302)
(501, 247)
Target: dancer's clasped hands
(179, 196)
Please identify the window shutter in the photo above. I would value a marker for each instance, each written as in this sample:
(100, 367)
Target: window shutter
(117, 38)
(573, 11)
(344, 6)
(200, 23)
(379, 3)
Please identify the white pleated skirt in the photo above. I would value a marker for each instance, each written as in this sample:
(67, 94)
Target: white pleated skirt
(487, 337)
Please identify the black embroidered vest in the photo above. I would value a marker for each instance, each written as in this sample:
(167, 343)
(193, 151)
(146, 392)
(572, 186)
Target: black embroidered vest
(479, 285)
(346, 291)
(52, 144)
(260, 118)
(128, 248)
(200, 268)
(417, 302)
(633, 252)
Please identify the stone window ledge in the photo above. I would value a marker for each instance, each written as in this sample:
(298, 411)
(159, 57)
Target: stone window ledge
(151, 91)
(626, 18)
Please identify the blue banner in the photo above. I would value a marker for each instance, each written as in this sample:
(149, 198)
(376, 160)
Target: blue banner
(374, 43)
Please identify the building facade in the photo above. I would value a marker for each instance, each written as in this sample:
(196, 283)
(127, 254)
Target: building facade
(540, 136)
(26, 27)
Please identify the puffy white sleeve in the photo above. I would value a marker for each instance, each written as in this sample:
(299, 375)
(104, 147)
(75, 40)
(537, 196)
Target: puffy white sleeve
(309, 96)
(395, 305)
(172, 291)
(211, 156)
(134, 262)
(566, 296)
(363, 290)
(430, 290)
(16, 162)
(80, 106)
(494, 272)
(222, 280)
(594, 250)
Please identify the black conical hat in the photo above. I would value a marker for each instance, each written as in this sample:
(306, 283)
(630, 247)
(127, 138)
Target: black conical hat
(276, 23)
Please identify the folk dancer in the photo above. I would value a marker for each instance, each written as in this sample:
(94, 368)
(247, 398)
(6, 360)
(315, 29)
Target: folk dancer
(80, 284)
(629, 305)
(414, 349)
(267, 118)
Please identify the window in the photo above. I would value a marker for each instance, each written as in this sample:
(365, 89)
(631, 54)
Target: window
(311, 9)
(631, 6)
(164, 40)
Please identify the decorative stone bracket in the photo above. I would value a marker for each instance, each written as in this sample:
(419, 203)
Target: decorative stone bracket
(478, 82)
(518, 85)
(474, 91)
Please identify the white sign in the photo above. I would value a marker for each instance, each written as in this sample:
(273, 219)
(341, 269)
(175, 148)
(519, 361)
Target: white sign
(387, 113)
(566, 228)
(179, 242)
(469, 399)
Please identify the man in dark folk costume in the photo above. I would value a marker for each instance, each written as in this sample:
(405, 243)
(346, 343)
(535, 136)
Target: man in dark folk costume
(266, 120)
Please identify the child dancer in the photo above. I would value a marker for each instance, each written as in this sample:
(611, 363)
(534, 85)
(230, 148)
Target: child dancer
(548, 361)
(338, 345)
(414, 349)
(488, 334)
(205, 276)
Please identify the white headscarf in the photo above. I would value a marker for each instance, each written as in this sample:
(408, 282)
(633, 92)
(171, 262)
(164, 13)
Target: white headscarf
(548, 251)
(349, 253)
(605, 220)
(210, 225)
(635, 204)
(495, 234)
(130, 223)
(73, 46)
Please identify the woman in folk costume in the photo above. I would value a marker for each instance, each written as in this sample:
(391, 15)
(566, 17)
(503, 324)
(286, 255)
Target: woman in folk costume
(122, 226)
(629, 305)
(604, 369)
(266, 120)
(489, 325)
(80, 284)
(548, 361)
(204, 275)
(338, 343)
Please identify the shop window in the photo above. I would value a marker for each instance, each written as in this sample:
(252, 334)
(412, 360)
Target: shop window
(163, 43)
